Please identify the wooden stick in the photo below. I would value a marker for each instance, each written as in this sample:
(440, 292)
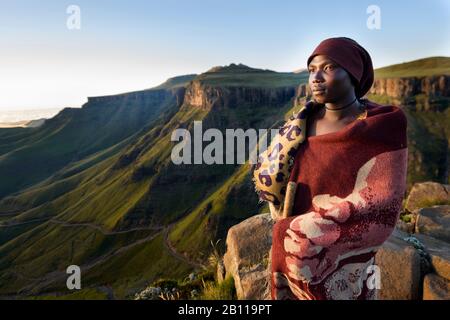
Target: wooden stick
(289, 199)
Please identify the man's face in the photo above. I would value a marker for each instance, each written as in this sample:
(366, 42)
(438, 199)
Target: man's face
(329, 82)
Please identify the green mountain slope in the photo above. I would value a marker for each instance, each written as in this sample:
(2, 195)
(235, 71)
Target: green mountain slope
(115, 204)
(80, 214)
(29, 155)
(418, 68)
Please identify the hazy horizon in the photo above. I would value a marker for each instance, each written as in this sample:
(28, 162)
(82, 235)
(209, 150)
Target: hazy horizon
(137, 45)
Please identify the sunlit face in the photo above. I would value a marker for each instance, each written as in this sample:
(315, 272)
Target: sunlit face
(328, 81)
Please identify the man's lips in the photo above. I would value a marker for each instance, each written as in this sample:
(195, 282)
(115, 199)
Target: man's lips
(318, 90)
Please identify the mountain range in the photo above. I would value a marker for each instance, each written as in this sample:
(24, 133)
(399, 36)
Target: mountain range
(95, 186)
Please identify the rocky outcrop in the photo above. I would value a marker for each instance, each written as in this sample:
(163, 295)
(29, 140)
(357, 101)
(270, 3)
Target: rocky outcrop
(248, 249)
(218, 97)
(404, 261)
(401, 89)
(438, 86)
(399, 263)
(439, 254)
(144, 96)
(302, 94)
(435, 222)
(407, 227)
(436, 288)
(247, 256)
(425, 194)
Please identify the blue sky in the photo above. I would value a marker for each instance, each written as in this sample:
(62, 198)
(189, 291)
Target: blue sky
(131, 45)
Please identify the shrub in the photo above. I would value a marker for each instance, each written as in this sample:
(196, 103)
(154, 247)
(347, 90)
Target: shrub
(219, 291)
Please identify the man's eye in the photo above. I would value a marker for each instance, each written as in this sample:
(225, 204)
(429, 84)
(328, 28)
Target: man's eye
(329, 67)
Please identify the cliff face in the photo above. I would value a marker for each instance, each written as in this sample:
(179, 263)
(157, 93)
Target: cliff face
(101, 123)
(406, 87)
(140, 96)
(400, 88)
(302, 93)
(425, 101)
(217, 97)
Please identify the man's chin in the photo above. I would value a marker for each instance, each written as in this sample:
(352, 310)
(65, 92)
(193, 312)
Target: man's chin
(320, 99)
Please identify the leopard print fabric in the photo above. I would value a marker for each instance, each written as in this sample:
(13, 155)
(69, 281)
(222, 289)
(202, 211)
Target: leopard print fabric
(272, 171)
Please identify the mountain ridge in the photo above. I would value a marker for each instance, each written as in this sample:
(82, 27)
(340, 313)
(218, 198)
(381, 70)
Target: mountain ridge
(110, 209)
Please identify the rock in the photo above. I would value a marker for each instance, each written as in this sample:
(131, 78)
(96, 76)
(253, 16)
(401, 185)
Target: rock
(142, 96)
(436, 288)
(213, 97)
(247, 256)
(425, 264)
(399, 263)
(249, 243)
(149, 293)
(439, 252)
(410, 86)
(435, 222)
(407, 227)
(426, 194)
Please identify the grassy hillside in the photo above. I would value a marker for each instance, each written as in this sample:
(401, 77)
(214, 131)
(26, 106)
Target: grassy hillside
(241, 75)
(118, 204)
(30, 155)
(418, 68)
(234, 201)
(176, 82)
(83, 223)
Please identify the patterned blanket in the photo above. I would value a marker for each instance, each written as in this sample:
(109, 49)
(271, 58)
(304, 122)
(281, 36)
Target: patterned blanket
(348, 189)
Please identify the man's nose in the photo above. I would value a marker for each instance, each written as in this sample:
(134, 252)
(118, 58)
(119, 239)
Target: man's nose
(317, 76)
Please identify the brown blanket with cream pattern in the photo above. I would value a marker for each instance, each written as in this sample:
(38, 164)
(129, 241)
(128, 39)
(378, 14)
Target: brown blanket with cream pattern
(349, 187)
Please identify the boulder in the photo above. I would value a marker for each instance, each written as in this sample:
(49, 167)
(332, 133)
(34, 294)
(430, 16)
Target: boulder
(247, 256)
(405, 226)
(399, 263)
(439, 252)
(436, 288)
(434, 222)
(426, 194)
(248, 260)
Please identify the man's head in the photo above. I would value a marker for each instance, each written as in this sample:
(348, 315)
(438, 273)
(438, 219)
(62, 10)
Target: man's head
(329, 82)
(341, 67)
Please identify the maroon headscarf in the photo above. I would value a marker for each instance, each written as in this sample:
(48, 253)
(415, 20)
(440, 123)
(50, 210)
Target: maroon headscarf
(350, 56)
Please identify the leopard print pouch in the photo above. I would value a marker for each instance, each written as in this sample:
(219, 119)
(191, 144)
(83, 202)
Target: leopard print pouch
(272, 171)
